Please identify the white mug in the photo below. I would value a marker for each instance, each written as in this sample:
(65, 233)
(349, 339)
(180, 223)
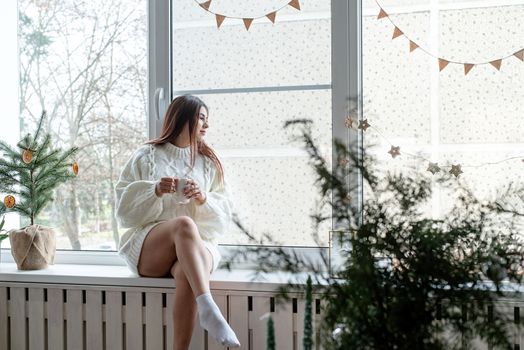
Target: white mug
(179, 194)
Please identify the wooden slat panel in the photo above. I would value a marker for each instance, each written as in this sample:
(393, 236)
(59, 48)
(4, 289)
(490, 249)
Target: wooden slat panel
(221, 302)
(3, 317)
(517, 313)
(238, 318)
(301, 308)
(17, 311)
(259, 327)
(75, 318)
(154, 336)
(94, 340)
(133, 319)
(169, 320)
(55, 319)
(283, 318)
(316, 320)
(36, 319)
(114, 333)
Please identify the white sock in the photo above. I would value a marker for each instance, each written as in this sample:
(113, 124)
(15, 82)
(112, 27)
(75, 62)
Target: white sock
(211, 319)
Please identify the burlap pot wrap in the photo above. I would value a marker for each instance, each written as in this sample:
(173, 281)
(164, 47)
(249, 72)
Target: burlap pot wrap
(33, 247)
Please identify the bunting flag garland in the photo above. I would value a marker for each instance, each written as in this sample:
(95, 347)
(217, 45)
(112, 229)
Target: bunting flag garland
(412, 46)
(397, 32)
(467, 68)
(442, 62)
(247, 20)
(219, 19)
(519, 54)
(272, 16)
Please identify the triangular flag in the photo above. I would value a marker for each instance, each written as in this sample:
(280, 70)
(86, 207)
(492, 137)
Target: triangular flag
(519, 54)
(206, 4)
(247, 22)
(295, 4)
(272, 16)
(496, 64)
(412, 46)
(219, 19)
(467, 68)
(397, 33)
(382, 14)
(442, 63)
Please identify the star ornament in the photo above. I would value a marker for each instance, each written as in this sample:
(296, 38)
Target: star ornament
(394, 151)
(433, 168)
(349, 122)
(456, 170)
(343, 162)
(363, 125)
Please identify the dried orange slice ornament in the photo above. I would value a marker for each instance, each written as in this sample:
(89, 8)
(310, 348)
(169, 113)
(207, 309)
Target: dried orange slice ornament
(75, 168)
(27, 156)
(9, 201)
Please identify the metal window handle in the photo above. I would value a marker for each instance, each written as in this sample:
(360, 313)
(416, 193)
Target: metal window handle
(159, 95)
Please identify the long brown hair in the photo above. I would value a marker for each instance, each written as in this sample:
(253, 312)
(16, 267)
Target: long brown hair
(186, 109)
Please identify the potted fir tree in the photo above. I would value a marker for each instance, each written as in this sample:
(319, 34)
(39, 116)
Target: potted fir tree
(406, 281)
(29, 174)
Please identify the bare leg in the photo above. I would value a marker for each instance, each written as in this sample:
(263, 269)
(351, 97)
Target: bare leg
(179, 240)
(184, 310)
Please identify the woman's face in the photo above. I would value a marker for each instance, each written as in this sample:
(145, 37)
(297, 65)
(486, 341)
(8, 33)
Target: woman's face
(202, 123)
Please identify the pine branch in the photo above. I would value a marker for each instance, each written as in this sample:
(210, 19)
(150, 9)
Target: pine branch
(36, 180)
(7, 149)
(25, 143)
(42, 117)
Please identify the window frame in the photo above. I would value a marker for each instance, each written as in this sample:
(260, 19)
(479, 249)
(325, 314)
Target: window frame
(346, 81)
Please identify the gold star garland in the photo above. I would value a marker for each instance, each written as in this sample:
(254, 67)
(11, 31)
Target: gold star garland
(456, 169)
(443, 62)
(247, 20)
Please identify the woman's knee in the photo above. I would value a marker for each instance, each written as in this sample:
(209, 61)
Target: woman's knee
(184, 226)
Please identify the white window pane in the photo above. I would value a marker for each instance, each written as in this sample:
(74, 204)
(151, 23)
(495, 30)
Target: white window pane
(86, 64)
(269, 175)
(274, 195)
(256, 120)
(296, 50)
(10, 124)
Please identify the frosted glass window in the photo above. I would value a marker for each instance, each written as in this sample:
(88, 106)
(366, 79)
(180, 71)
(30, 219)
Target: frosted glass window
(254, 81)
(447, 117)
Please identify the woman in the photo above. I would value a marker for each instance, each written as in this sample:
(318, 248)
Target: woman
(167, 237)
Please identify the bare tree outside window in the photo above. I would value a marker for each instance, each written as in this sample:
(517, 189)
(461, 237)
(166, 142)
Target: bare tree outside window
(85, 63)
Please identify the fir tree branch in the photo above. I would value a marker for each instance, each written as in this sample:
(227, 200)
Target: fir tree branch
(37, 134)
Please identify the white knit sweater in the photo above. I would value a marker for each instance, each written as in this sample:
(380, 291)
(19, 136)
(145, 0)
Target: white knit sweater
(138, 207)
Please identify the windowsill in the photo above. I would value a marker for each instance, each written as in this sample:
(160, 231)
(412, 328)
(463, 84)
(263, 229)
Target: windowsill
(121, 276)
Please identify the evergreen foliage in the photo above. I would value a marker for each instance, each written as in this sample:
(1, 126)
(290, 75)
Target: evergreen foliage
(270, 334)
(32, 182)
(406, 281)
(308, 327)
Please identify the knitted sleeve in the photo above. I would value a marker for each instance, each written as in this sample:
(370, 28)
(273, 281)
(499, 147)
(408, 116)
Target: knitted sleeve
(213, 218)
(136, 201)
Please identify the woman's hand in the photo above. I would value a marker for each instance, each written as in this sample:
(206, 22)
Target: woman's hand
(166, 185)
(192, 190)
